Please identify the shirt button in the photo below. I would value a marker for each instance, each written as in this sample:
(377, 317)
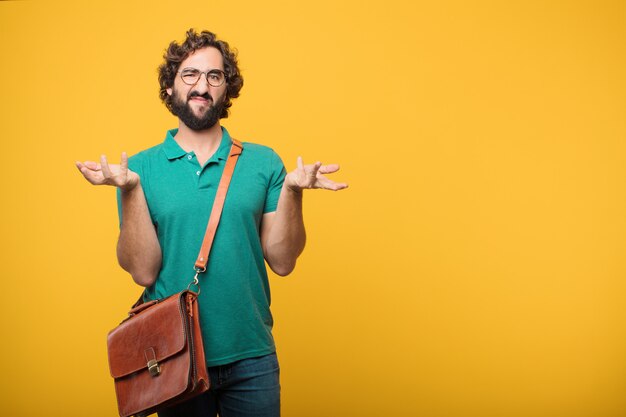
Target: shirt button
(197, 172)
(189, 157)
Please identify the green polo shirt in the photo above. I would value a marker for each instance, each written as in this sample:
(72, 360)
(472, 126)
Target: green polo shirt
(235, 297)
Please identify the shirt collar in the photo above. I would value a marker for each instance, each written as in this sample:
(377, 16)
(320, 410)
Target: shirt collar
(224, 149)
(173, 150)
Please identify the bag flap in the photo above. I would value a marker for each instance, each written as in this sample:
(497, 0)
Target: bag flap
(157, 332)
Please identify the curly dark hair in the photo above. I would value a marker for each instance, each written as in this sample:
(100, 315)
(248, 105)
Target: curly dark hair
(177, 53)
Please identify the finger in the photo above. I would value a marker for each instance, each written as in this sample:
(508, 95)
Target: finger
(329, 169)
(124, 163)
(94, 177)
(316, 167)
(81, 167)
(327, 184)
(300, 164)
(337, 186)
(311, 175)
(106, 171)
(94, 166)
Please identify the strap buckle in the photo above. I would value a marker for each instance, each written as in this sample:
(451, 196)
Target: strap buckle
(195, 281)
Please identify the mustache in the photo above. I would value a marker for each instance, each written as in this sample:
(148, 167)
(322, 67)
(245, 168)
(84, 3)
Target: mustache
(205, 96)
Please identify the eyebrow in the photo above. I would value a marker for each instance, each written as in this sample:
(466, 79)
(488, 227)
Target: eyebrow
(196, 69)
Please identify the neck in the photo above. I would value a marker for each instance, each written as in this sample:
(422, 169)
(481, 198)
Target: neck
(203, 143)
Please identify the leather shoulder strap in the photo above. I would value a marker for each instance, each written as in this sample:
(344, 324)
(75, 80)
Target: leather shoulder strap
(218, 205)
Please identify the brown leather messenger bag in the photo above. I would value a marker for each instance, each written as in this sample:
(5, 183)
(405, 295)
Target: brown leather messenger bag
(156, 355)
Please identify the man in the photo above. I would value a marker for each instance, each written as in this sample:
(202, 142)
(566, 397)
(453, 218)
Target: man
(165, 196)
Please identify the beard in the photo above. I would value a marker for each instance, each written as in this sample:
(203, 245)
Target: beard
(184, 112)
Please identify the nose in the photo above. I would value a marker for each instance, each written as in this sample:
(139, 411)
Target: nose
(202, 86)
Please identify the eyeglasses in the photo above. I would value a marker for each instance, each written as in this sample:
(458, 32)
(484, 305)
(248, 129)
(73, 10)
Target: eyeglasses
(214, 77)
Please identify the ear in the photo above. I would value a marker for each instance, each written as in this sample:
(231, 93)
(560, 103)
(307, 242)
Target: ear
(169, 91)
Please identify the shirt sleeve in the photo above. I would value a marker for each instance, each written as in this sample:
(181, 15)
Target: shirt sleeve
(275, 183)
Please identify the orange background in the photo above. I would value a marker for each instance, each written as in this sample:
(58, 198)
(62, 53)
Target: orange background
(475, 266)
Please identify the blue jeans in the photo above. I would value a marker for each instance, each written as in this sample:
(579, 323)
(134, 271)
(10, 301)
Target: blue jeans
(246, 388)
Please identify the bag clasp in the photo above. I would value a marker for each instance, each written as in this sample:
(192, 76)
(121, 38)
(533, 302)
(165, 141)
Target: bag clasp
(153, 365)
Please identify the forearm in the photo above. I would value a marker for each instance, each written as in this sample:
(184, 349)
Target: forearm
(287, 236)
(138, 249)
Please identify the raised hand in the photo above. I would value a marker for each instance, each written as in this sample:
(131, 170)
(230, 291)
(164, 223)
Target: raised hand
(312, 176)
(104, 174)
